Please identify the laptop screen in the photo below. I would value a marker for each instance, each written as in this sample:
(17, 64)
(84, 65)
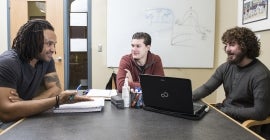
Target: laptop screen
(167, 93)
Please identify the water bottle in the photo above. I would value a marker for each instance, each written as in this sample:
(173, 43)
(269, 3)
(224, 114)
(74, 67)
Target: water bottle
(126, 93)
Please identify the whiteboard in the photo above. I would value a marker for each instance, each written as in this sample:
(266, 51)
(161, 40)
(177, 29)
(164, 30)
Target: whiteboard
(182, 31)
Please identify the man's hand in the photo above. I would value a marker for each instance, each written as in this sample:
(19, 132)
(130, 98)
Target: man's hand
(14, 97)
(69, 96)
(128, 75)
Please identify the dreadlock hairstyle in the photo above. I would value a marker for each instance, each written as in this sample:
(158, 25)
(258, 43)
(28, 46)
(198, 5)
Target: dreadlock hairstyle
(246, 39)
(29, 40)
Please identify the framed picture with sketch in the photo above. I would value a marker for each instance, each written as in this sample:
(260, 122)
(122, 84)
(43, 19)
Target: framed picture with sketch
(254, 14)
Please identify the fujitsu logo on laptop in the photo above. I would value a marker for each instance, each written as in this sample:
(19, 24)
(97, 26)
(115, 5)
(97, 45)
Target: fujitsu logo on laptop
(164, 94)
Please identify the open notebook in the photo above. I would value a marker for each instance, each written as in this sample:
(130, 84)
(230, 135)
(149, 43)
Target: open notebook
(172, 96)
(88, 106)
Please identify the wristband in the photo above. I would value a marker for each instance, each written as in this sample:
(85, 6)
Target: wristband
(57, 101)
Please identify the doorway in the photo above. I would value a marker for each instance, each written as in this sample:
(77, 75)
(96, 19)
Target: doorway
(78, 39)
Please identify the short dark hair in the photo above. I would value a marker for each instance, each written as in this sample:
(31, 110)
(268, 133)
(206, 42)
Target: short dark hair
(143, 35)
(246, 39)
(29, 40)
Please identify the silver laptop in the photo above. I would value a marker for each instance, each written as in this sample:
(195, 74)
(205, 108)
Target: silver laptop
(170, 95)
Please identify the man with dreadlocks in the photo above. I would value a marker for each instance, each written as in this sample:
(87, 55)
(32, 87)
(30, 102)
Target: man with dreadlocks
(246, 80)
(27, 68)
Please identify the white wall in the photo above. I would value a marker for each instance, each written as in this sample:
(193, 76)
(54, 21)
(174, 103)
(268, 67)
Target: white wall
(3, 26)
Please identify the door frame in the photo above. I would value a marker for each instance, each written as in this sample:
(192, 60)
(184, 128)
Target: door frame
(66, 19)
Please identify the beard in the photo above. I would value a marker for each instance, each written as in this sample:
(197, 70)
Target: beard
(47, 57)
(238, 58)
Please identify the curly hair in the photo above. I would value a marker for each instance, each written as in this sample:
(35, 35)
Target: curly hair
(29, 40)
(245, 38)
(142, 35)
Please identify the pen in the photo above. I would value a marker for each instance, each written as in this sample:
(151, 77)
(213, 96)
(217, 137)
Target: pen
(83, 92)
(78, 88)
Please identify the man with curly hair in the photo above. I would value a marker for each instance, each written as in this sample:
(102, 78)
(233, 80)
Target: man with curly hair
(245, 79)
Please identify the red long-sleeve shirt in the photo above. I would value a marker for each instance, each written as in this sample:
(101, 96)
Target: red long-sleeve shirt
(152, 66)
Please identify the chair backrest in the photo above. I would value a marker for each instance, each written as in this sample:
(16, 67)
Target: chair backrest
(246, 124)
(111, 84)
(249, 123)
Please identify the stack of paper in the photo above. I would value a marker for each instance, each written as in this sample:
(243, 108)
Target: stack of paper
(88, 106)
(107, 94)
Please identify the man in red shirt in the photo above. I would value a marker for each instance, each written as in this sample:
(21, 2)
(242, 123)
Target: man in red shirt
(139, 61)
